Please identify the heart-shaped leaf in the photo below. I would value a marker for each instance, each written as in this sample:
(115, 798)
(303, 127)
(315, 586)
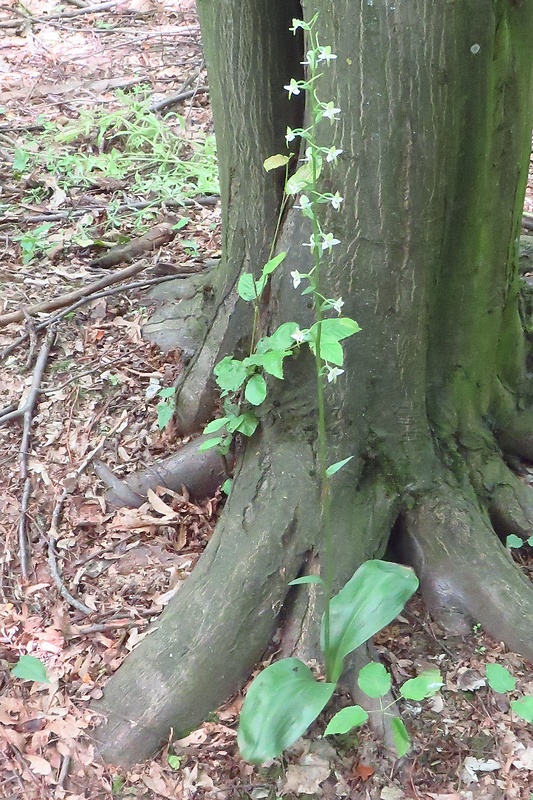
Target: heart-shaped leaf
(499, 679)
(346, 719)
(374, 680)
(279, 706)
(29, 668)
(371, 599)
(424, 685)
(524, 708)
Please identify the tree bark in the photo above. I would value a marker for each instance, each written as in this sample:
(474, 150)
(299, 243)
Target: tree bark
(435, 132)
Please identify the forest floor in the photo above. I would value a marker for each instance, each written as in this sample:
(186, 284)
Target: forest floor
(74, 87)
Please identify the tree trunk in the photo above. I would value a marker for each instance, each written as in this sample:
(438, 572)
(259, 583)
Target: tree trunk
(435, 132)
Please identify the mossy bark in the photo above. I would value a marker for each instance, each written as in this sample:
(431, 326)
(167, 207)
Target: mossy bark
(435, 131)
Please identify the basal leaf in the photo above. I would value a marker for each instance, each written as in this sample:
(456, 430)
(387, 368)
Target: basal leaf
(346, 719)
(400, 736)
(499, 679)
(29, 668)
(279, 706)
(374, 680)
(306, 579)
(371, 599)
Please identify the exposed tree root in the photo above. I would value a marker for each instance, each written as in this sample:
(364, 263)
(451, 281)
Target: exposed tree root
(508, 499)
(201, 471)
(515, 433)
(215, 629)
(465, 573)
(379, 720)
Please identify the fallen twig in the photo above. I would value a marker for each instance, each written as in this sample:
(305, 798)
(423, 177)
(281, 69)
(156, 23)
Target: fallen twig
(53, 532)
(156, 237)
(27, 412)
(57, 216)
(28, 18)
(66, 299)
(177, 98)
(89, 298)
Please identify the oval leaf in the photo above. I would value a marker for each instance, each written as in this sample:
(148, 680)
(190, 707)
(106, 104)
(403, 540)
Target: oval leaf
(513, 541)
(279, 706)
(371, 599)
(230, 373)
(374, 680)
(216, 425)
(400, 736)
(346, 719)
(524, 708)
(29, 668)
(424, 685)
(246, 287)
(499, 679)
(256, 390)
(273, 162)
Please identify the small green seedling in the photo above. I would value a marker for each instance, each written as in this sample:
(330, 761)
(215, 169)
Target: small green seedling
(30, 668)
(166, 406)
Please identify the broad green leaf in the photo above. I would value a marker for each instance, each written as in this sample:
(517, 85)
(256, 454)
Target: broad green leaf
(271, 362)
(273, 162)
(226, 486)
(118, 784)
(371, 599)
(273, 263)
(374, 680)
(346, 719)
(523, 708)
(336, 328)
(424, 685)
(256, 390)
(269, 267)
(499, 679)
(306, 579)
(333, 468)
(330, 351)
(216, 424)
(279, 706)
(209, 443)
(400, 736)
(247, 424)
(281, 339)
(165, 412)
(302, 178)
(168, 391)
(29, 668)
(514, 541)
(246, 287)
(174, 762)
(530, 541)
(230, 373)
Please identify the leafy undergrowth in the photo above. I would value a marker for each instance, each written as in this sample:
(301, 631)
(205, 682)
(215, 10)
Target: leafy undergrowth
(81, 151)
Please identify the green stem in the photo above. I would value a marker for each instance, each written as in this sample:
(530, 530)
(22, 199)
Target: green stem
(325, 499)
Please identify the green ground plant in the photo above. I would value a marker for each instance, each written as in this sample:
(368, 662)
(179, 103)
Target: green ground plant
(147, 157)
